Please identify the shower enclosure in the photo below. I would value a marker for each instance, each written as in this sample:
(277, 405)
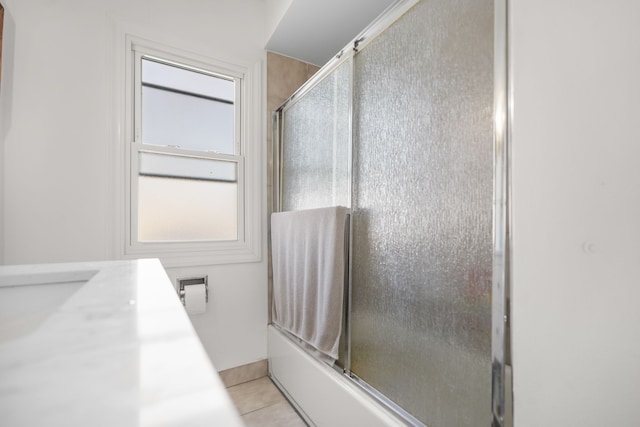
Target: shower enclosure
(402, 128)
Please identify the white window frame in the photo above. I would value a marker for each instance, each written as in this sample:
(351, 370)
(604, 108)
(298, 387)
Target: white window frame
(247, 248)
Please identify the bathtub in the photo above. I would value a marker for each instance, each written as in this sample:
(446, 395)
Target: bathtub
(321, 395)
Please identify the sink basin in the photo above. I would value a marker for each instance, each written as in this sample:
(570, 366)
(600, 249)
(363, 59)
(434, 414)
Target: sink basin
(27, 300)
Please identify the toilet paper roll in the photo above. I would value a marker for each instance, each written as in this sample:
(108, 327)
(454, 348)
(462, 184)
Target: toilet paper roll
(195, 299)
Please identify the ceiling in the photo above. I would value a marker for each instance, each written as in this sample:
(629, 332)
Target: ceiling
(314, 31)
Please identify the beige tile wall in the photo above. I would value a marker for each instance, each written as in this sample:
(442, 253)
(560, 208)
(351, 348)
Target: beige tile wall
(284, 76)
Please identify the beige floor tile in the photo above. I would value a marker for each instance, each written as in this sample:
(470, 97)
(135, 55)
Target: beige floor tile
(254, 395)
(244, 373)
(278, 415)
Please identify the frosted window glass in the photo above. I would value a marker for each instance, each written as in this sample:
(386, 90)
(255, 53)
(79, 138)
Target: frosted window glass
(422, 213)
(315, 152)
(174, 209)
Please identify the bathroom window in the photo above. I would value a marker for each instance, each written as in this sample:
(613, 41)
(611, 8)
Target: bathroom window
(189, 198)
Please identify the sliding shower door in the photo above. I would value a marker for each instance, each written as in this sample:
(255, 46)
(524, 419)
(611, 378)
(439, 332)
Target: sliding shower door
(402, 133)
(422, 213)
(316, 145)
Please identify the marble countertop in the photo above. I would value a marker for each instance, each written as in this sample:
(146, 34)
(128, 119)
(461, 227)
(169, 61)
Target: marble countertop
(102, 344)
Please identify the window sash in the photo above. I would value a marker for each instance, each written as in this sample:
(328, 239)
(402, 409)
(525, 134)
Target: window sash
(136, 150)
(150, 54)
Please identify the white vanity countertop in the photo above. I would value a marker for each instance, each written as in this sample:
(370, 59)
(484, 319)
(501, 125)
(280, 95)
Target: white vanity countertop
(102, 344)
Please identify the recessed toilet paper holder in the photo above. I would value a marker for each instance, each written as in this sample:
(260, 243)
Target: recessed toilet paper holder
(193, 281)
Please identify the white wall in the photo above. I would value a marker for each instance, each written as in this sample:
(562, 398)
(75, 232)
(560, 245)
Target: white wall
(315, 31)
(276, 9)
(6, 84)
(58, 176)
(576, 211)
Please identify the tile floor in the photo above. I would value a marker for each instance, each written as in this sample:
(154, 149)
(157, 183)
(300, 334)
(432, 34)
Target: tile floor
(262, 405)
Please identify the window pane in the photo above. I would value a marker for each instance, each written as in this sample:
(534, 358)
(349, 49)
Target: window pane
(153, 164)
(186, 199)
(156, 73)
(187, 109)
(175, 209)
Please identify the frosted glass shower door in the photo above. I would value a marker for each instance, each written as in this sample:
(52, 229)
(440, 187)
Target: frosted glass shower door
(315, 156)
(422, 213)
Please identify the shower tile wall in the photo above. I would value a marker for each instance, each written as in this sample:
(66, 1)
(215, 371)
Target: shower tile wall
(284, 76)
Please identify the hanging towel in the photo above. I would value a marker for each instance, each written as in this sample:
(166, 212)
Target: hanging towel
(308, 252)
